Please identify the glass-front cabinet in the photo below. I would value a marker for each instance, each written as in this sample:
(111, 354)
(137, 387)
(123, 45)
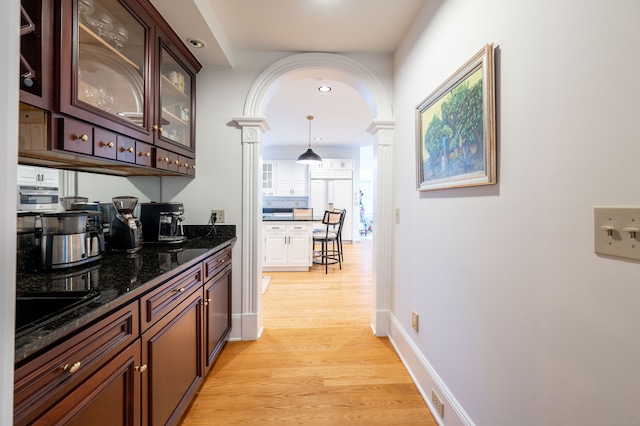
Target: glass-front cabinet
(111, 52)
(175, 100)
(118, 73)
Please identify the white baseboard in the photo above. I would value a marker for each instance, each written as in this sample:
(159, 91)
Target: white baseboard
(426, 378)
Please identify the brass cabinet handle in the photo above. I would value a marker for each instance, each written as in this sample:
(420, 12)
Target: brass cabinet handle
(144, 154)
(186, 165)
(221, 260)
(83, 137)
(155, 127)
(165, 159)
(179, 290)
(130, 149)
(72, 368)
(176, 162)
(141, 368)
(108, 144)
(193, 167)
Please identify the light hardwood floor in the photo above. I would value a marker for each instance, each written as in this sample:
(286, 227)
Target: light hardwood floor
(317, 362)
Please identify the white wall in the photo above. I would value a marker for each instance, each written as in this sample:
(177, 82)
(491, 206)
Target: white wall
(9, 13)
(520, 322)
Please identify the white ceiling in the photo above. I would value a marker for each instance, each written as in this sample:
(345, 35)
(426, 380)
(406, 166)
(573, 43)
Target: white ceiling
(337, 26)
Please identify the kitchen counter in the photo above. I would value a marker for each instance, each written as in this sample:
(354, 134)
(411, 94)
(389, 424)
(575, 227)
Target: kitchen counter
(117, 278)
(266, 218)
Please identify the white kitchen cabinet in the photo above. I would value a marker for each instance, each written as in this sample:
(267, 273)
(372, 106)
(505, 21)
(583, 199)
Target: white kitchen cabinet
(287, 246)
(291, 178)
(342, 164)
(268, 178)
(37, 176)
(337, 192)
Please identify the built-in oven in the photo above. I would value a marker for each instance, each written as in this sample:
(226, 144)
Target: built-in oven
(37, 198)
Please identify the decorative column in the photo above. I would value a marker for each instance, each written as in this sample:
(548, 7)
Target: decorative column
(252, 131)
(382, 130)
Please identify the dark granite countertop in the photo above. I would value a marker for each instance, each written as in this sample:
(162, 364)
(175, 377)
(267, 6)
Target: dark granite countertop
(117, 278)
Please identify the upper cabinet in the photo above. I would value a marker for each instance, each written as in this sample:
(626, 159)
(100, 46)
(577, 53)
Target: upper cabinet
(36, 53)
(124, 72)
(115, 85)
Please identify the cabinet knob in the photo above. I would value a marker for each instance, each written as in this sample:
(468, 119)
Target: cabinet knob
(130, 149)
(179, 290)
(186, 165)
(109, 144)
(72, 368)
(83, 137)
(144, 154)
(141, 368)
(176, 162)
(193, 167)
(155, 127)
(165, 159)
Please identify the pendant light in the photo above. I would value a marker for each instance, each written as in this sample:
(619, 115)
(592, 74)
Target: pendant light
(309, 157)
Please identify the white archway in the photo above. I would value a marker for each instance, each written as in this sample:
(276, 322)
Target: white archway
(254, 125)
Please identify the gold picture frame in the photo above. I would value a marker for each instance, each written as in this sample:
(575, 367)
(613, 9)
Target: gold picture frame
(456, 128)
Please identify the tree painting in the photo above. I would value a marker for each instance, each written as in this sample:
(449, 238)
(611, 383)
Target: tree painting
(453, 140)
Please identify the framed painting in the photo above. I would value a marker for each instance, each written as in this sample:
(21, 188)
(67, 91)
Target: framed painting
(456, 128)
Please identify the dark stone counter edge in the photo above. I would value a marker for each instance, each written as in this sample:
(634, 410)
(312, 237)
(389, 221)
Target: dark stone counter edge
(40, 339)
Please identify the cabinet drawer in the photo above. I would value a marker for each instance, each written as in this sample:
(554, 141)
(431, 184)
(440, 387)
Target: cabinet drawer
(75, 136)
(143, 154)
(302, 227)
(215, 263)
(44, 380)
(276, 228)
(126, 149)
(163, 299)
(104, 144)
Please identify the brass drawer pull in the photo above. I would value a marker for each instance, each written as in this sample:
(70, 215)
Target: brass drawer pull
(141, 369)
(130, 149)
(221, 260)
(72, 368)
(179, 290)
(83, 137)
(144, 154)
(108, 144)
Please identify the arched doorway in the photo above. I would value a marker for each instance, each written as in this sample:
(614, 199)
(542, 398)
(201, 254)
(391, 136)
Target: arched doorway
(254, 125)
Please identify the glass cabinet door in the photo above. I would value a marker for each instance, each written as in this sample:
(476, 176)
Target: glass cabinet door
(111, 57)
(175, 100)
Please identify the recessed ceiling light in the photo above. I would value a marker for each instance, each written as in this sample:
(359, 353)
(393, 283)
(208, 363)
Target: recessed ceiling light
(324, 89)
(194, 42)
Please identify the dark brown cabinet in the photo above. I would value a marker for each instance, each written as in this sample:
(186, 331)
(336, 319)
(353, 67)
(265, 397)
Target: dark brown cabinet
(110, 397)
(119, 68)
(217, 314)
(41, 383)
(140, 365)
(172, 350)
(36, 53)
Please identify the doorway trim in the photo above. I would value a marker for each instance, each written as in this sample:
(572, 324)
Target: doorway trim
(254, 125)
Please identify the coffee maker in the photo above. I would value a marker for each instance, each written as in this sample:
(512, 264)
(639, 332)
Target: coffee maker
(67, 242)
(125, 232)
(162, 222)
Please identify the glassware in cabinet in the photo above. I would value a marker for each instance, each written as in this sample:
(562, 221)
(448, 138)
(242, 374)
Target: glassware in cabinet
(176, 101)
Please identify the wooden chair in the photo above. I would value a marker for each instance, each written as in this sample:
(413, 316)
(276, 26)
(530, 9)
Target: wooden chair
(329, 234)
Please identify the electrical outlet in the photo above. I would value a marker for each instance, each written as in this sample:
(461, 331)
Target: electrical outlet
(437, 403)
(219, 215)
(414, 320)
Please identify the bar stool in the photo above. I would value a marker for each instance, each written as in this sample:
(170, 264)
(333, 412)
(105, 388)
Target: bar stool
(329, 234)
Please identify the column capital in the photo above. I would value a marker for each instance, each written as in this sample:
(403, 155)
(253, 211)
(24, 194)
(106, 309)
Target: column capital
(252, 128)
(384, 131)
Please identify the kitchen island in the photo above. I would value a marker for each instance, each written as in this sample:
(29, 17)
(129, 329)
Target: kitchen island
(287, 243)
(140, 345)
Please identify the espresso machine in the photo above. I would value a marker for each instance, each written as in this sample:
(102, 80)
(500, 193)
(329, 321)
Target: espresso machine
(162, 222)
(125, 232)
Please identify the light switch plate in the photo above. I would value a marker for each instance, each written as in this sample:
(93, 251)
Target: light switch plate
(614, 233)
